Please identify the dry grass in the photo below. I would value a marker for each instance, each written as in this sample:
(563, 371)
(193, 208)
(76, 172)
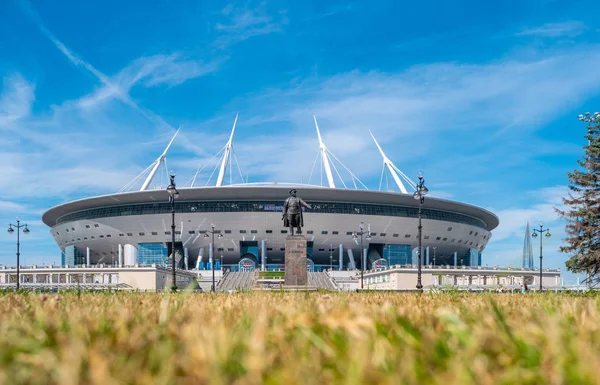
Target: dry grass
(298, 338)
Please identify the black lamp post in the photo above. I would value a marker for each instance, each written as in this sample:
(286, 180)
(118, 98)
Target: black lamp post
(173, 194)
(419, 195)
(541, 231)
(212, 231)
(18, 226)
(362, 257)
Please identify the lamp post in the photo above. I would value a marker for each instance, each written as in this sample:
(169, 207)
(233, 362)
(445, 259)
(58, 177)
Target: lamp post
(434, 247)
(212, 231)
(18, 226)
(541, 231)
(173, 194)
(419, 195)
(362, 257)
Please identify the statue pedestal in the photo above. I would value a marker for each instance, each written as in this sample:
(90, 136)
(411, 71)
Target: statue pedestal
(295, 260)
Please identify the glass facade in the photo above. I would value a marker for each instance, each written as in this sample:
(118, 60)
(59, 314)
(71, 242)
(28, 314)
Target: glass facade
(269, 206)
(72, 256)
(397, 254)
(152, 253)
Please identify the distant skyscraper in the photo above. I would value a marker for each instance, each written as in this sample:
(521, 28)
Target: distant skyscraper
(527, 249)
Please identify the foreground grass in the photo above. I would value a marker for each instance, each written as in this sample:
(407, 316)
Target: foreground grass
(292, 338)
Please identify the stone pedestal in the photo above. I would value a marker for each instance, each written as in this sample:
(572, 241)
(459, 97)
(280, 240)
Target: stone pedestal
(295, 260)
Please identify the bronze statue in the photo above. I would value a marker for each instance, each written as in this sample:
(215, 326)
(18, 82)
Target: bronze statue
(292, 212)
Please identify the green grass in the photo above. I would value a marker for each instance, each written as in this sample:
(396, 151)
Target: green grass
(271, 274)
(299, 338)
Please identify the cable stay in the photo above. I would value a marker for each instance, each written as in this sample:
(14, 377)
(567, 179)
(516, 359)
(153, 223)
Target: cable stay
(394, 171)
(327, 164)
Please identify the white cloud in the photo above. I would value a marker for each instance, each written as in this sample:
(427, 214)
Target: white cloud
(15, 99)
(245, 23)
(563, 29)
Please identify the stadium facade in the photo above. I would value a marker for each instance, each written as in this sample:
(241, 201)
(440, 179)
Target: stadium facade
(131, 228)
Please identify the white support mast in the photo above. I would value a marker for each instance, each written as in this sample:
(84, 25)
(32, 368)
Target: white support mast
(226, 155)
(324, 157)
(392, 168)
(158, 162)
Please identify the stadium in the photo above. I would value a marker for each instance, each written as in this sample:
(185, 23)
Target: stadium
(133, 228)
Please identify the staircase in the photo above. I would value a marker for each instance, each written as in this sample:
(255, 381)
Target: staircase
(237, 280)
(321, 280)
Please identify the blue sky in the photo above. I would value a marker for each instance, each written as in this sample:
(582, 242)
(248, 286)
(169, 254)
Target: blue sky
(482, 97)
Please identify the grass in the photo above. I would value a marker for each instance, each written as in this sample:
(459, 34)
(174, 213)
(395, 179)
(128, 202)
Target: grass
(271, 274)
(299, 338)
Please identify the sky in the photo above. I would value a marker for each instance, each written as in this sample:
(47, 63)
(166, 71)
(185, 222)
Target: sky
(481, 97)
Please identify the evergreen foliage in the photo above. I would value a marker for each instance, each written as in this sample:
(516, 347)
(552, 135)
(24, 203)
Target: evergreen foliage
(582, 212)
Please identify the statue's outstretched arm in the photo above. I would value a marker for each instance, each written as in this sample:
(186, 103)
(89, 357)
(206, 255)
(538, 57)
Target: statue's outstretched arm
(305, 204)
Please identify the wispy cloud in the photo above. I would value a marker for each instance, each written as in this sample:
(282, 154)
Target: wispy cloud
(16, 99)
(244, 23)
(563, 29)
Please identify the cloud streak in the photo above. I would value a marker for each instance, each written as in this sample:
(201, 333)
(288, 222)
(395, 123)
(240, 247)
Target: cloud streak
(549, 30)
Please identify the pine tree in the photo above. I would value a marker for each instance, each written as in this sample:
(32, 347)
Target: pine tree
(582, 207)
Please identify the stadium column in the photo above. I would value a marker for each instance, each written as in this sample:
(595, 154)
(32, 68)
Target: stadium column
(87, 256)
(263, 255)
(210, 254)
(186, 257)
(120, 255)
(341, 256)
(455, 258)
(427, 256)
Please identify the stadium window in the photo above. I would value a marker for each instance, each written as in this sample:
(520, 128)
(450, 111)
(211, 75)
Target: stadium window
(269, 231)
(471, 244)
(407, 236)
(87, 226)
(395, 235)
(92, 237)
(460, 241)
(324, 232)
(154, 233)
(426, 237)
(477, 245)
(321, 249)
(108, 236)
(121, 235)
(269, 249)
(104, 253)
(471, 232)
(253, 231)
(85, 238)
(67, 230)
(335, 232)
(485, 236)
(130, 234)
(449, 228)
(438, 238)
(73, 228)
(191, 232)
(476, 234)
(227, 231)
(309, 232)
(230, 249)
(242, 231)
(79, 239)
(142, 234)
(383, 234)
(349, 233)
(283, 231)
(453, 239)
(220, 249)
(57, 233)
(102, 236)
(95, 225)
(445, 239)
(282, 249)
(200, 232)
(178, 232)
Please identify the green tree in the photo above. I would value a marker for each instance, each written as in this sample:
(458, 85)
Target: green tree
(582, 207)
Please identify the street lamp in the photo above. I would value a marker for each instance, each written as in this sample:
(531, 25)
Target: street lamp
(18, 226)
(535, 234)
(419, 195)
(173, 194)
(363, 258)
(212, 231)
(434, 247)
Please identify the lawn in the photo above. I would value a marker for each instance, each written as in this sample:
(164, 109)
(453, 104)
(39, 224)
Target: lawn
(299, 338)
